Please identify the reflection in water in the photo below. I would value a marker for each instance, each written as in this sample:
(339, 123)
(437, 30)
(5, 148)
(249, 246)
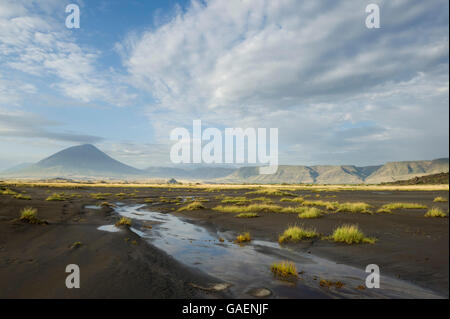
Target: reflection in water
(247, 267)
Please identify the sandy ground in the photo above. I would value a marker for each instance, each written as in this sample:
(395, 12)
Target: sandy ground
(33, 257)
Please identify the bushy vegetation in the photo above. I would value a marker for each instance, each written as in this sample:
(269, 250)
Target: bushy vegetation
(435, 212)
(21, 196)
(311, 212)
(247, 215)
(284, 269)
(56, 197)
(296, 233)
(242, 238)
(321, 203)
(192, 206)
(124, 221)
(358, 207)
(29, 215)
(350, 234)
(440, 199)
(270, 192)
(241, 200)
(393, 206)
(295, 199)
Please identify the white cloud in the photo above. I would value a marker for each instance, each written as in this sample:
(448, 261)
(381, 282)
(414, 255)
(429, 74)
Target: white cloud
(272, 63)
(34, 42)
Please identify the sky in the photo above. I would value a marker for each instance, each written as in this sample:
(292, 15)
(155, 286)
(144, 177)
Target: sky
(338, 92)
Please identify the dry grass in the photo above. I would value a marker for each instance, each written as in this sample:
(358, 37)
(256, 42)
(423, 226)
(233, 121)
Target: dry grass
(296, 233)
(295, 200)
(284, 269)
(8, 191)
(235, 200)
(435, 212)
(350, 234)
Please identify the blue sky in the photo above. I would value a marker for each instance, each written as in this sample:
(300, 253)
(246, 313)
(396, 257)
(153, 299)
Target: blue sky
(339, 93)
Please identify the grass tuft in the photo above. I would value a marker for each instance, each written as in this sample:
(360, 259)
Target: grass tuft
(440, 199)
(192, 206)
(124, 222)
(393, 206)
(56, 197)
(29, 215)
(311, 212)
(350, 234)
(243, 238)
(358, 207)
(296, 233)
(435, 212)
(21, 196)
(284, 269)
(247, 215)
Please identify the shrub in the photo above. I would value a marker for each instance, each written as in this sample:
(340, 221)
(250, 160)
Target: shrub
(435, 212)
(350, 234)
(296, 233)
(440, 199)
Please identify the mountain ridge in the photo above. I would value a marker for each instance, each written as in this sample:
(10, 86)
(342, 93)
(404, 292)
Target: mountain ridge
(87, 161)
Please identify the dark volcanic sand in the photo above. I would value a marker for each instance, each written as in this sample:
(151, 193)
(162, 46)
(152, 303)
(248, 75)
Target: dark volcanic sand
(33, 257)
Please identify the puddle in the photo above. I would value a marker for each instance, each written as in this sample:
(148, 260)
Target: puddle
(92, 207)
(247, 267)
(109, 228)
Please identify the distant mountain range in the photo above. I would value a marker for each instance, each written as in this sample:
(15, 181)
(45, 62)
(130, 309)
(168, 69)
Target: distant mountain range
(87, 161)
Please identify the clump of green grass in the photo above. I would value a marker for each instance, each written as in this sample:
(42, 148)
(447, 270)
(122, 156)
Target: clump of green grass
(124, 221)
(327, 205)
(192, 206)
(264, 200)
(8, 191)
(358, 207)
(56, 197)
(241, 200)
(284, 269)
(384, 210)
(393, 206)
(247, 215)
(311, 212)
(100, 196)
(76, 244)
(29, 215)
(243, 238)
(350, 234)
(295, 200)
(107, 204)
(440, 199)
(296, 233)
(21, 196)
(435, 212)
(253, 208)
(270, 192)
